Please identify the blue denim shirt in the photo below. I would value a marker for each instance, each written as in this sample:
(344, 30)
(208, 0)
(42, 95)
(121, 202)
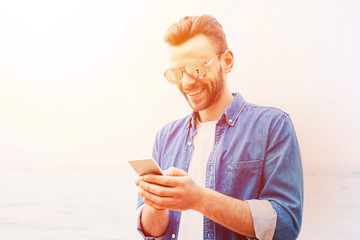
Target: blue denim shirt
(255, 156)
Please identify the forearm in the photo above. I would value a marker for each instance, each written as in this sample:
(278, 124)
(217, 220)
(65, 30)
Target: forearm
(229, 212)
(154, 222)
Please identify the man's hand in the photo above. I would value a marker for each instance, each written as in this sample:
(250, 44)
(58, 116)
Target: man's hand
(175, 191)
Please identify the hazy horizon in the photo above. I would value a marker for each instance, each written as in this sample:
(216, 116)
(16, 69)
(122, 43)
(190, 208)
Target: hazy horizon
(82, 88)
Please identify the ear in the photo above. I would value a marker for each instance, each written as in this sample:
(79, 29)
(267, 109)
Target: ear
(228, 61)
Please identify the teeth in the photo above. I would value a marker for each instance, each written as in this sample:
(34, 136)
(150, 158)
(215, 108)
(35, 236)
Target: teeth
(193, 93)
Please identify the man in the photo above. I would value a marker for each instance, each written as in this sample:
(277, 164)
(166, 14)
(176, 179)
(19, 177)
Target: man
(233, 168)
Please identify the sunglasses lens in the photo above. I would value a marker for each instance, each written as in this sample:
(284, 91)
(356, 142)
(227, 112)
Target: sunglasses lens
(173, 75)
(196, 69)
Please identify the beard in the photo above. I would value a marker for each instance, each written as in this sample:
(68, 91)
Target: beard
(213, 90)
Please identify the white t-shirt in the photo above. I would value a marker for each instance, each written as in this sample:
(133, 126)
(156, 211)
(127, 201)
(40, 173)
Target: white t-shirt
(191, 222)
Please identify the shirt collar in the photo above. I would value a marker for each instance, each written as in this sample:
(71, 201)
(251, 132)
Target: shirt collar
(230, 114)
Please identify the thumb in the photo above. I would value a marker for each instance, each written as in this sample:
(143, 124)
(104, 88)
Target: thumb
(174, 172)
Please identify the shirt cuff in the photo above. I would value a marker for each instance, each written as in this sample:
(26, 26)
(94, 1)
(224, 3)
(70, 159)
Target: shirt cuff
(139, 210)
(264, 218)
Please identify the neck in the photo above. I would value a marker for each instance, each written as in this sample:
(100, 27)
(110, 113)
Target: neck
(214, 112)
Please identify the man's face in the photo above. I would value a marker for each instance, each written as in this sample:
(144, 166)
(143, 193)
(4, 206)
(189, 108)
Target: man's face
(200, 93)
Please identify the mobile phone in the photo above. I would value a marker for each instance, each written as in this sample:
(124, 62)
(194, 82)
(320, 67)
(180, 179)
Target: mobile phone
(146, 166)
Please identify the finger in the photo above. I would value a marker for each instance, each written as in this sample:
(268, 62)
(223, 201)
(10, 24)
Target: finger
(167, 181)
(138, 180)
(160, 201)
(174, 172)
(157, 189)
(161, 206)
(153, 204)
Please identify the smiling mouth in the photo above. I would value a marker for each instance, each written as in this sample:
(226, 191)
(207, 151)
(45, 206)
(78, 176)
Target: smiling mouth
(195, 92)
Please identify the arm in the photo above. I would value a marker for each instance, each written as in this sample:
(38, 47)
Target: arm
(152, 222)
(231, 213)
(149, 215)
(283, 179)
(177, 191)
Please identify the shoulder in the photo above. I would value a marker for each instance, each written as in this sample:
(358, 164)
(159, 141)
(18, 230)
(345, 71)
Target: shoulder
(254, 109)
(252, 113)
(264, 119)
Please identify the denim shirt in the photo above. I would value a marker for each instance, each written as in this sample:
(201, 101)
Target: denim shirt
(255, 156)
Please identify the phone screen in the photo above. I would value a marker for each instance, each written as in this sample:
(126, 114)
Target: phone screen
(146, 166)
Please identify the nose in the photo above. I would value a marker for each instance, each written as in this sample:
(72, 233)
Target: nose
(187, 80)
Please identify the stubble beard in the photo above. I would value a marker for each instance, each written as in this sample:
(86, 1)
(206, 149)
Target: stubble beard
(213, 96)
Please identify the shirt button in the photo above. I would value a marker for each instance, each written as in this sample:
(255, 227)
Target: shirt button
(208, 235)
(189, 143)
(230, 120)
(173, 235)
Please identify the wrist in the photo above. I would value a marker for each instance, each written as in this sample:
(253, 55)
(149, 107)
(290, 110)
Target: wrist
(155, 210)
(154, 222)
(200, 204)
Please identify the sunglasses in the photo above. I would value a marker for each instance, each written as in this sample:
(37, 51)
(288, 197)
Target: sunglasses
(198, 70)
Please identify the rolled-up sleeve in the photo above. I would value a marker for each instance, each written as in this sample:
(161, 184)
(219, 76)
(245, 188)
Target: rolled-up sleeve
(140, 202)
(283, 179)
(264, 218)
(139, 210)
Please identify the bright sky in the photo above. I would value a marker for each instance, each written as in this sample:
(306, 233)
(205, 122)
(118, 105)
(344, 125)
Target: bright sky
(83, 80)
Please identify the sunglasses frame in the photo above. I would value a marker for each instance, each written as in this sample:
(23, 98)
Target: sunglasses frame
(183, 68)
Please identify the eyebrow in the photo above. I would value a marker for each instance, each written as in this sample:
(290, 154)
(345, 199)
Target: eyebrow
(183, 66)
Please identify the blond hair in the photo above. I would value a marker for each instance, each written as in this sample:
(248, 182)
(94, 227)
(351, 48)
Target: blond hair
(190, 26)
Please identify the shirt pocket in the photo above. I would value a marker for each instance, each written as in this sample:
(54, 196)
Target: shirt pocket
(244, 178)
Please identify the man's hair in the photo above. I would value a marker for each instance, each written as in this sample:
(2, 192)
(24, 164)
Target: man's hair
(191, 26)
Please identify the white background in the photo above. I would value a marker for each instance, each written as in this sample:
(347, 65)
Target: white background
(82, 91)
